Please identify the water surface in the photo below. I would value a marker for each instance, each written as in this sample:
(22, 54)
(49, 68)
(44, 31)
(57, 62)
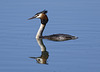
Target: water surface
(74, 17)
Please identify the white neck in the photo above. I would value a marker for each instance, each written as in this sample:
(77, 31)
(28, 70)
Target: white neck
(41, 44)
(40, 31)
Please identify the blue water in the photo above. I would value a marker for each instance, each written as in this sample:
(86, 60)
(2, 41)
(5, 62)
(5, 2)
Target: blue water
(75, 17)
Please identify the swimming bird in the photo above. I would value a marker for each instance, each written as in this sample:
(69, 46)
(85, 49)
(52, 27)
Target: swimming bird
(44, 53)
(55, 37)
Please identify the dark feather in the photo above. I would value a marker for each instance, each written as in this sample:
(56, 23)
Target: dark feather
(44, 12)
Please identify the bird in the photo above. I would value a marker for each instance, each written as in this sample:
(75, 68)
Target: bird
(54, 37)
(44, 53)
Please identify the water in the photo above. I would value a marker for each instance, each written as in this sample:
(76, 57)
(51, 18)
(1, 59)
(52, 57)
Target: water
(75, 17)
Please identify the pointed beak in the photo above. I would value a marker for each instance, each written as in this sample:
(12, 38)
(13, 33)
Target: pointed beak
(32, 17)
(33, 57)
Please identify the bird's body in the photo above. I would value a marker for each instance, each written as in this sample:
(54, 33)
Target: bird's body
(59, 37)
(55, 37)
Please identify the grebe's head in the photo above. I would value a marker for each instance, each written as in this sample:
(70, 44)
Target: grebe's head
(40, 15)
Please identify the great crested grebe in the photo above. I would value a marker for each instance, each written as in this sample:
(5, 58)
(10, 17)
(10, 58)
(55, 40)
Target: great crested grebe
(44, 53)
(55, 37)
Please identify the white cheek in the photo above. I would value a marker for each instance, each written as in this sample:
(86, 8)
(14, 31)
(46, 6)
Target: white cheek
(39, 16)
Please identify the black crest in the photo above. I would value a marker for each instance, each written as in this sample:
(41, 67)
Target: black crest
(44, 12)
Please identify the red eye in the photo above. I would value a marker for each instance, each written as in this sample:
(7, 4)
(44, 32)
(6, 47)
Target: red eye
(37, 15)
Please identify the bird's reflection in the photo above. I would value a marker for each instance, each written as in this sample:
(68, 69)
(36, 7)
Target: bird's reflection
(44, 54)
